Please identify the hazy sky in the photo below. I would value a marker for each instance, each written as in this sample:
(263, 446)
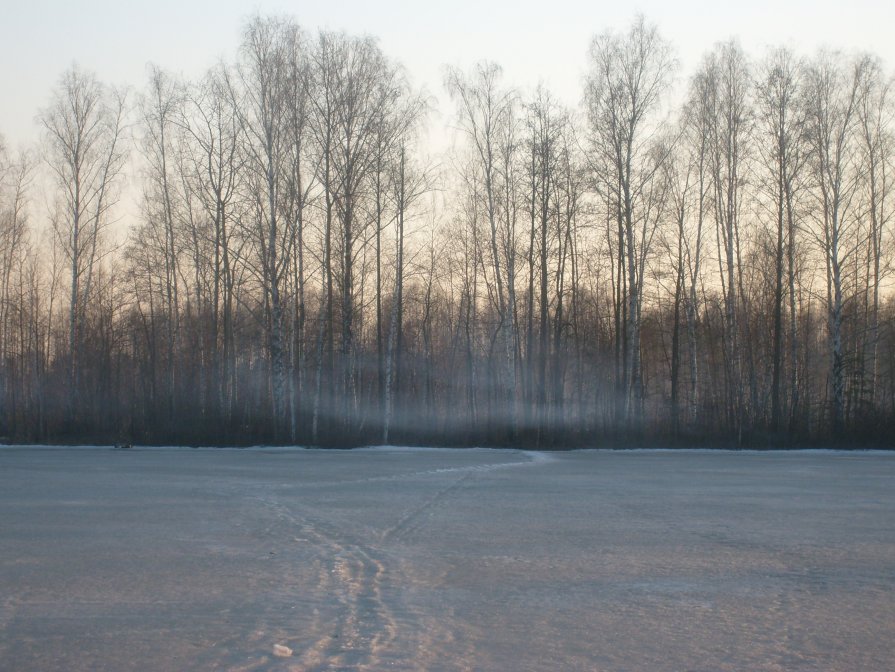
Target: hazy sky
(544, 40)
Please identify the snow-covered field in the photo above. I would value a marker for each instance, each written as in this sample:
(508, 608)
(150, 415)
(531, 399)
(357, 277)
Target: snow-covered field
(179, 559)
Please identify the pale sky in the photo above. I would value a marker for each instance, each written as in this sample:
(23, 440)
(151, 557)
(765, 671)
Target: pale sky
(545, 40)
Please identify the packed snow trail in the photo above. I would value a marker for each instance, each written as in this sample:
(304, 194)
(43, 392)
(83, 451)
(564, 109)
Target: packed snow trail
(357, 572)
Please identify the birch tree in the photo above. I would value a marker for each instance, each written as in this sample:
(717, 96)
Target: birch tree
(832, 131)
(629, 74)
(213, 126)
(485, 112)
(780, 112)
(875, 117)
(83, 131)
(268, 53)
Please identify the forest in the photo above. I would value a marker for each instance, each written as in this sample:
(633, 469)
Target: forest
(683, 259)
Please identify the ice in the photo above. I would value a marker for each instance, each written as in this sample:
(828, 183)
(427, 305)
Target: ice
(281, 651)
(383, 558)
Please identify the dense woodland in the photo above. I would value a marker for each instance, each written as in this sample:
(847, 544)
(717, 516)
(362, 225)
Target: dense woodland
(685, 258)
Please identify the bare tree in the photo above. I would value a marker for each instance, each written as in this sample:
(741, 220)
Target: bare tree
(725, 73)
(410, 183)
(486, 114)
(832, 129)
(213, 125)
(629, 74)
(697, 120)
(159, 109)
(681, 180)
(83, 126)
(875, 113)
(15, 182)
(780, 112)
(269, 51)
(544, 123)
(355, 92)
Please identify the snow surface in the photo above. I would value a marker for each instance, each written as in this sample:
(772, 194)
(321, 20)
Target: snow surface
(182, 559)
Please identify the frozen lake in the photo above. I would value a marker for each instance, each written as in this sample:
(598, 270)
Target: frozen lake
(179, 559)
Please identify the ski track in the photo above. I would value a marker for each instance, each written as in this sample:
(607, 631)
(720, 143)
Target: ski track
(535, 458)
(353, 574)
(410, 521)
(357, 576)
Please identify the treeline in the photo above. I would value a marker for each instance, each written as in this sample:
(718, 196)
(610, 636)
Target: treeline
(706, 263)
